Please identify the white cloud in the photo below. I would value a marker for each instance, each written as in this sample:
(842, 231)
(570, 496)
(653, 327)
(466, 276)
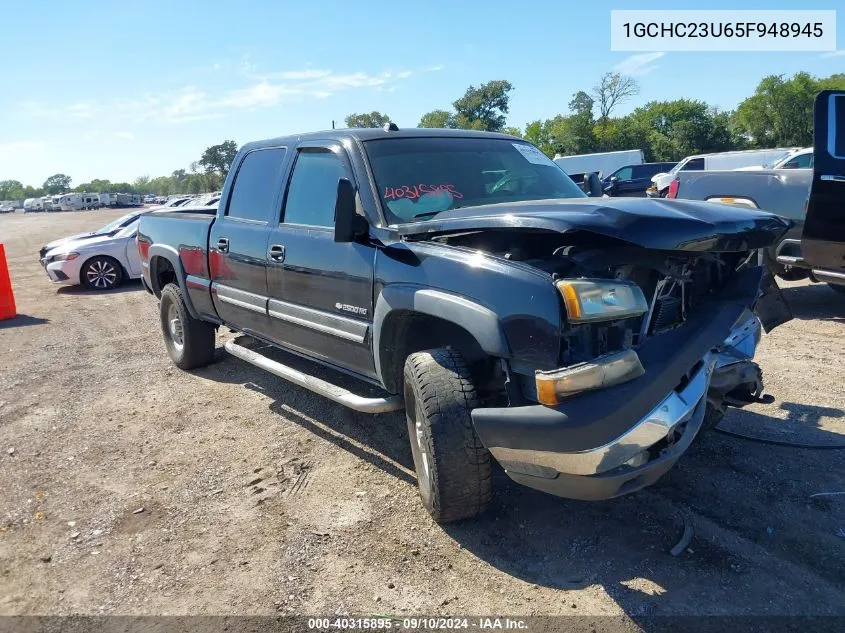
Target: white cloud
(11, 147)
(194, 103)
(639, 64)
(247, 67)
(82, 110)
(125, 136)
(834, 53)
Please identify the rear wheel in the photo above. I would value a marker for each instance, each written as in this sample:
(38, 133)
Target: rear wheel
(453, 467)
(101, 273)
(189, 341)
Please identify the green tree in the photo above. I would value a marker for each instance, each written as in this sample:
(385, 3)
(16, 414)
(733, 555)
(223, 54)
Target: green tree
(484, 107)
(671, 130)
(437, 119)
(513, 131)
(95, 186)
(780, 112)
(57, 183)
(11, 190)
(371, 119)
(142, 184)
(217, 158)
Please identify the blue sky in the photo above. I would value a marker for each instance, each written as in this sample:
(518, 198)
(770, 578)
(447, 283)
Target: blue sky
(116, 90)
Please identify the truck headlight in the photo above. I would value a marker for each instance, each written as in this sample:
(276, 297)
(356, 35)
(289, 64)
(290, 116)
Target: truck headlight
(64, 257)
(589, 300)
(605, 371)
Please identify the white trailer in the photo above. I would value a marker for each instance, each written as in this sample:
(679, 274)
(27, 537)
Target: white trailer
(71, 202)
(108, 199)
(33, 204)
(603, 163)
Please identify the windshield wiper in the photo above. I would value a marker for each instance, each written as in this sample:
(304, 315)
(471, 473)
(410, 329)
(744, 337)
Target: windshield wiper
(426, 214)
(433, 213)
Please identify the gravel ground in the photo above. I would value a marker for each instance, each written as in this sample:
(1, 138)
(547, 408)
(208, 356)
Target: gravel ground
(130, 487)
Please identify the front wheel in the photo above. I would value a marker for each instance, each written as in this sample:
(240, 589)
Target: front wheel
(453, 467)
(189, 341)
(101, 273)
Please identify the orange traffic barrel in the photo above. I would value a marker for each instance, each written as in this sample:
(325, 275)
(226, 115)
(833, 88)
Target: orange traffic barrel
(7, 297)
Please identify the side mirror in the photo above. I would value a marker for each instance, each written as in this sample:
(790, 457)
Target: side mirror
(348, 225)
(593, 185)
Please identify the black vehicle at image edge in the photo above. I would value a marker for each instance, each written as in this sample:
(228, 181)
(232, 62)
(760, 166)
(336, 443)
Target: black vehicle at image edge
(580, 342)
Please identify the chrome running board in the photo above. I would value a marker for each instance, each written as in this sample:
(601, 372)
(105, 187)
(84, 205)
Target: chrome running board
(326, 389)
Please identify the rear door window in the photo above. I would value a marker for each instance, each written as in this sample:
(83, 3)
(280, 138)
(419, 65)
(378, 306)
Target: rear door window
(313, 188)
(256, 184)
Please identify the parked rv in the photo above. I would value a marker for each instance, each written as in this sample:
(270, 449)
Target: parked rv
(79, 201)
(602, 163)
(721, 161)
(30, 205)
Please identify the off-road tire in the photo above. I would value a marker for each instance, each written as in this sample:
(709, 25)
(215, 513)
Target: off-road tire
(453, 467)
(190, 343)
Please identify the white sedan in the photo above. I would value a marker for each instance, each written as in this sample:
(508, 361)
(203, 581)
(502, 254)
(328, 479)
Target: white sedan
(99, 262)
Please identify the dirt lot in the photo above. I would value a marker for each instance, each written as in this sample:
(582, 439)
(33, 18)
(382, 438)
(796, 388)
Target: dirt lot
(128, 486)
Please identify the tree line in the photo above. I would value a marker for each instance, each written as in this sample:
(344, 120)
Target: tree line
(204, 175)
(778, 114)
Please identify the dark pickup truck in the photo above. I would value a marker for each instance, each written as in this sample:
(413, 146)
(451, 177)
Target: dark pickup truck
(580, 342)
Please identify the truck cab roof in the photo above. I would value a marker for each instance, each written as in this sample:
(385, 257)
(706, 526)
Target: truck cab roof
(367, 134)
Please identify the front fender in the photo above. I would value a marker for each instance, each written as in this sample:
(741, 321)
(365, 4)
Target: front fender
(481, 322)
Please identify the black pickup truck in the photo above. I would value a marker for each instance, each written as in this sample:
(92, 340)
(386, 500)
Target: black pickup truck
(581, 342)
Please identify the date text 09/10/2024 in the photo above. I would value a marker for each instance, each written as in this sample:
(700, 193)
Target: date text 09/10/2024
(416, 624)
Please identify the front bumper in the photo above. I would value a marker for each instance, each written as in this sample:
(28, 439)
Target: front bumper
(618, 440)
(63, 272)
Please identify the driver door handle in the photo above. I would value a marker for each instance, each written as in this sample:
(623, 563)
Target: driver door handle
(277, 253)
(223, 245)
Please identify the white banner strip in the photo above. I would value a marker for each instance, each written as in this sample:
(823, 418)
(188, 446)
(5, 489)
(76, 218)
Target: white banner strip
(746, 30)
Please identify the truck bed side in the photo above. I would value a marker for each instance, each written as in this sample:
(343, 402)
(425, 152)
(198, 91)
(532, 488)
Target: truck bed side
(779, 191)
(174, 248)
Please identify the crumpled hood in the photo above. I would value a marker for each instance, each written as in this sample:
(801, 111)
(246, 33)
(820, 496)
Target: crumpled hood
(661, 224)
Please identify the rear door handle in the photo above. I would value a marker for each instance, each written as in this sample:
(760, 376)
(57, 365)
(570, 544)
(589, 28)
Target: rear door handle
(277, 253)
(223, 245)
(833, 177)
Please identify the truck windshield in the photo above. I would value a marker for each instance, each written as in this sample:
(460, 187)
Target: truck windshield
(417, 178)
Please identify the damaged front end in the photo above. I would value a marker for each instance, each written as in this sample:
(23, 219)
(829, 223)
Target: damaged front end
(634, 386)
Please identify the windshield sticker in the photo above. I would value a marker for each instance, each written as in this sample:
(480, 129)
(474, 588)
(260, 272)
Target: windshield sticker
(412, 192)
(532, 154)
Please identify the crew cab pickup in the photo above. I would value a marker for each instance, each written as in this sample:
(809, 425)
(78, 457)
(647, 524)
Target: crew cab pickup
(581, 342)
